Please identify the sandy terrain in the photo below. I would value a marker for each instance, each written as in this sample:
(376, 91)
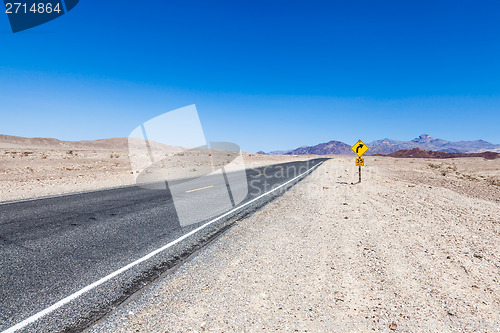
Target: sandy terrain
(472, 177)
(35, 172)
(413, 248)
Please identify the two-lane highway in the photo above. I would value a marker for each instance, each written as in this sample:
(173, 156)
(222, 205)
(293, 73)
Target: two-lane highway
(67, 260)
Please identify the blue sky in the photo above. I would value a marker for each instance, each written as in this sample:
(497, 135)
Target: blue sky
(264, 74)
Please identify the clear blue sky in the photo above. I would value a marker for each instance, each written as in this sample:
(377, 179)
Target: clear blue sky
(264, 74)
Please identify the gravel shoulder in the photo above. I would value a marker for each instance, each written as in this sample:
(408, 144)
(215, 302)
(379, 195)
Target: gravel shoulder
(393, 253)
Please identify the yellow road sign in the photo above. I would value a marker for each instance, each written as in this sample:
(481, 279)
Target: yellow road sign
(360, 162)
(359, 148)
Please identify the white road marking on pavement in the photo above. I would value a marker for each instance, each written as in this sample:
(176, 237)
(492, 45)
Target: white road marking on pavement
(199, 189)
(77, 294)
(65, 195)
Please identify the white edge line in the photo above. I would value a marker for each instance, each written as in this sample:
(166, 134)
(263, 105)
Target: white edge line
(82, 291)
(53, 196)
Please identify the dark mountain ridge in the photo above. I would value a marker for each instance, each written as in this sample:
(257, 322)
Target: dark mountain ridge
(387, 146)
(328, 148)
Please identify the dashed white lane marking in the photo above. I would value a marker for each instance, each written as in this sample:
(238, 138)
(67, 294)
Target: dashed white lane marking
(199, 189)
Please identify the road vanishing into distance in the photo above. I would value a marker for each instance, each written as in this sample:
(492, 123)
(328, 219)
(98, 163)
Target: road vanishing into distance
(68, 260)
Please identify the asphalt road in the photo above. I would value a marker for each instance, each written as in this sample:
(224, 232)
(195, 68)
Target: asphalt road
(64, 259)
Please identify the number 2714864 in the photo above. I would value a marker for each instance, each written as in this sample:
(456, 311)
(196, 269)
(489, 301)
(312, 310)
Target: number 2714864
(35, 8)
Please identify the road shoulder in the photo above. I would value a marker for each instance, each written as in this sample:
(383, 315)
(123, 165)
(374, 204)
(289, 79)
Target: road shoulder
(331, 256)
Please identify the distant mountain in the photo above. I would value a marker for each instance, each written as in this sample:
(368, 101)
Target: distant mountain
(427, 139)
(419, 153)
(329, 148)
(277, 152)
(427, 142)
(387, 146)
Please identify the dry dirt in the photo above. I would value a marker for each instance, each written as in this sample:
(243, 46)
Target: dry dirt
(413, 248)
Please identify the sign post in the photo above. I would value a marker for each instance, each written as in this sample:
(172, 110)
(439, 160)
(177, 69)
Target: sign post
(360, 148)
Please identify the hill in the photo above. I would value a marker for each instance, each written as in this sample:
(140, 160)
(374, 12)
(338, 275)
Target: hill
(113, 144)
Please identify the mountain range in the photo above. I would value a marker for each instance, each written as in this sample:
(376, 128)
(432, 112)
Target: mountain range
(383, 146)
(18, 142)
(388, 146)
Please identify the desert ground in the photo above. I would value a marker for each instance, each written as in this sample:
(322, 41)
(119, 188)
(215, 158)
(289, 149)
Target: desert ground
(415, 247)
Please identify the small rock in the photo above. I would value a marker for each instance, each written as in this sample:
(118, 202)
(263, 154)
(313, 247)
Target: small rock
(393, 326)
